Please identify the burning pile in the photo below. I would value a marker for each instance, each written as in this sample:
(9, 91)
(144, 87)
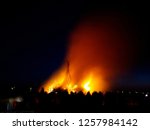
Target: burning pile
(98, 52)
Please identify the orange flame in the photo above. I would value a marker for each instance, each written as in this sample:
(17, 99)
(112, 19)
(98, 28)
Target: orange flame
(98, 51)
(64, 80)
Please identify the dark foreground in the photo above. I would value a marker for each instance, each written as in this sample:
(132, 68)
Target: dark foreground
(60, 101)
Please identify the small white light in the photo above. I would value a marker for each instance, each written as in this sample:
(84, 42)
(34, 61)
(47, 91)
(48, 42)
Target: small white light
(146, 95)
(18, 99)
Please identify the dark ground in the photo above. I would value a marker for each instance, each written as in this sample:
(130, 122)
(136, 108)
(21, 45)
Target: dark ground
(60, 101)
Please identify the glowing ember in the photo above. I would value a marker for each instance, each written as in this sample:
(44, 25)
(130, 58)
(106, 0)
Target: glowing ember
(98, 52)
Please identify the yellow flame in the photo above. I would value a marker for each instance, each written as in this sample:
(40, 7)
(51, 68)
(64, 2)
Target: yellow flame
(87, 87)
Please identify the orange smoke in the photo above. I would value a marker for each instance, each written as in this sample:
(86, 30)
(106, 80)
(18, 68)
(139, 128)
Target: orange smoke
(98, 51)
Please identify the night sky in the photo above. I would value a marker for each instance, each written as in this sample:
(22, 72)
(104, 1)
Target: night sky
(34, 38)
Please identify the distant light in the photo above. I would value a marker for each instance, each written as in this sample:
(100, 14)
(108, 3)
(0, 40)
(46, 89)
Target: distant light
(12, 88)
(146, 95)
(18, 99)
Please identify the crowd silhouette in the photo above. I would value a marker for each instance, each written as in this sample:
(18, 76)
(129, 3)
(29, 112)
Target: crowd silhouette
(30, 100)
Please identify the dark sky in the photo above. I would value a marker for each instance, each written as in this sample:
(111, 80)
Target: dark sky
(33, 38)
